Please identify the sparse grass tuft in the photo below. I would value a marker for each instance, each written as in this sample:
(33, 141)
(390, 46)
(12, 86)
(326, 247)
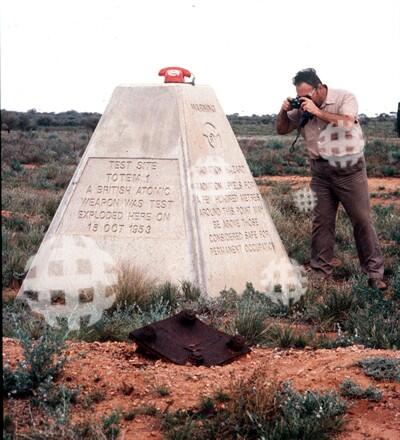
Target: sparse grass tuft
(249, 319)
(167, 293)
(111, 427)
(147, 410)
(206, 405)
(95, 396)
(162, 390)
(190, 291)
(286, 337)
(133, 286)
(334, 308)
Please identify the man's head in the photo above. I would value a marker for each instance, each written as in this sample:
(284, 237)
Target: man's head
(309, 85)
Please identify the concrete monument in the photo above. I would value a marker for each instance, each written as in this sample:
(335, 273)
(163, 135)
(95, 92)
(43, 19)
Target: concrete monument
(164, 185)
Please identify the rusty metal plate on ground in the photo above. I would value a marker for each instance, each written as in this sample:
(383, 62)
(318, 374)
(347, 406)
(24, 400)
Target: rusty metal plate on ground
(183, 338)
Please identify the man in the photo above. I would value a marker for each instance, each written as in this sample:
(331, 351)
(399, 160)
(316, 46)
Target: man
(333, 184)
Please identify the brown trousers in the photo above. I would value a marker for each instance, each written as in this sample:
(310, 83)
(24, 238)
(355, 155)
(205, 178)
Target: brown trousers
(350, 187)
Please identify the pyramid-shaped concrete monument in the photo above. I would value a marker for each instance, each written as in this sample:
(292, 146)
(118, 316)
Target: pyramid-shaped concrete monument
(164, 185)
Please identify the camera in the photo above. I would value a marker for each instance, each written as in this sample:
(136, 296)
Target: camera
(295, 102)
(306, 116)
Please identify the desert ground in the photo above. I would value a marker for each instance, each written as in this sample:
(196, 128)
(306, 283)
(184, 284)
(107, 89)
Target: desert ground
(104, 389)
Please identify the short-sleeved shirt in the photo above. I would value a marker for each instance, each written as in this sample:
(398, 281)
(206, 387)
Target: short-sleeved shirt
(337, 101)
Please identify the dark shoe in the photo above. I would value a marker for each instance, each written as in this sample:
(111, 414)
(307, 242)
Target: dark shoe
(377, 283)
(335, 263)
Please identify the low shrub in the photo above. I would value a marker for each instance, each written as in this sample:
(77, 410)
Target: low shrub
(259, 409)
(110, 426)
(249, 319)
(352, 390)
(287, 337)
(43, 361)
(17, 317)
(374, 320)
(381, 368)
(114, 325)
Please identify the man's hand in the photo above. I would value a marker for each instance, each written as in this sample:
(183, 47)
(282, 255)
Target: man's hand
(309, 106)
(283, 124)
(286, 105)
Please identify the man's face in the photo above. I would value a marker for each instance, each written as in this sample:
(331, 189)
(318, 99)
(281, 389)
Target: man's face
(306, 90)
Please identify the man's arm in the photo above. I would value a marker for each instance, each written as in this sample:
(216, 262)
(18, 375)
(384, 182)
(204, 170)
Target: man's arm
(334, 117)
(348, 110)
(283, 124)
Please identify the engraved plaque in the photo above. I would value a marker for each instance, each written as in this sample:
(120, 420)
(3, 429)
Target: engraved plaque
(131, 197)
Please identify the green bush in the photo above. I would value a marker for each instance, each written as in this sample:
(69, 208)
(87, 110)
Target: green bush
(389, 171)
(13, 258)
(114, 325)
(286, 337)
(387, 221)
(257, 409)
(381, 368)
(351, 389)
(111, 427)
(52, 427)
(300, 160)
(374, 320)
(117, 322)
(18, 317)
(16, 165)
(263, 168)
(167, 295)
(159, 309)
(55, 400)
(360, 314)
(335, 308)
(190, 291)
(274, 144)
(249, 319)
(43, 361)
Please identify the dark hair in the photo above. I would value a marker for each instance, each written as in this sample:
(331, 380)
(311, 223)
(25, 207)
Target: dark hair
(308, 76)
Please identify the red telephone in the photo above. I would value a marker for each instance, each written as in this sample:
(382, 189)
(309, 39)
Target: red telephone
(175, 74)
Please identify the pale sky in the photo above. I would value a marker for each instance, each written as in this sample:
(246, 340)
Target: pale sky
(58, 55)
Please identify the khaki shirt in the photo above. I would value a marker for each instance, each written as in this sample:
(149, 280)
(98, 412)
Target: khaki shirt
(337, 101)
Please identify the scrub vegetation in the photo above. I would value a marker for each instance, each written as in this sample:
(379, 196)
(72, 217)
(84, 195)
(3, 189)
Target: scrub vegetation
(39, 155)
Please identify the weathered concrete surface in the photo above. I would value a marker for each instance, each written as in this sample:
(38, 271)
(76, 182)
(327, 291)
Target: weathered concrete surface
(163, 184)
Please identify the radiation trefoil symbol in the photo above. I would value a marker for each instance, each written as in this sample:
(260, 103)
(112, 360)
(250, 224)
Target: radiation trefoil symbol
(211, 135)
(342, 144)
(305, 199)
(70, 279)
(283, 280)
(212, 180)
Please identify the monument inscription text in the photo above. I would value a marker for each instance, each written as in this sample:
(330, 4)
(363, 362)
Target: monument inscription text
(232, 209)
(127, 197)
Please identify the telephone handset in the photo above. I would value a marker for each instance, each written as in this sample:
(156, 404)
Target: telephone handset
(175, 75)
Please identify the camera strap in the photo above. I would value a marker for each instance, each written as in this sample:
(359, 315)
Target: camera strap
(291, 149)
(303, 121)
